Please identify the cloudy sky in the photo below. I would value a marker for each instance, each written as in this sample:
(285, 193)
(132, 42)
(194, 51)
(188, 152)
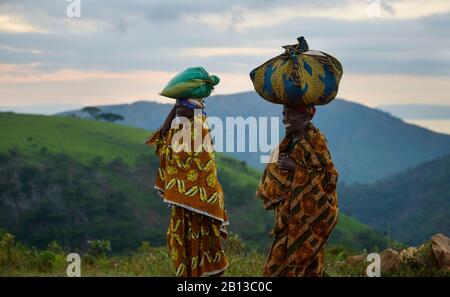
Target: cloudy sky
(393, 52)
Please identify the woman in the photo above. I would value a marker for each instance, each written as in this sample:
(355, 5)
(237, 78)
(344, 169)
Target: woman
(187, 180)
(301, 186)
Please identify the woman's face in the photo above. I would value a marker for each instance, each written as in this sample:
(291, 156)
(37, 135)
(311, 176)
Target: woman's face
(293, 120)
(183, 111)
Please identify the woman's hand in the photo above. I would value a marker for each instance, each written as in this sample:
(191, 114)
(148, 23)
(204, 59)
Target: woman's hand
(285, 163)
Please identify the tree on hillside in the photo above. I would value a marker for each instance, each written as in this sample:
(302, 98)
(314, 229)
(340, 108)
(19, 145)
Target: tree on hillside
(95, 113)
(92, 111)
(110, 117)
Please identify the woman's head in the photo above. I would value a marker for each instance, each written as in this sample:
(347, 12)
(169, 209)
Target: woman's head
(296, 118)
(183, 111)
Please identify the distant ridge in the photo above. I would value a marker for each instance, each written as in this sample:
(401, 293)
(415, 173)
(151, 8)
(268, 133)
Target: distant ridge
(367, 144)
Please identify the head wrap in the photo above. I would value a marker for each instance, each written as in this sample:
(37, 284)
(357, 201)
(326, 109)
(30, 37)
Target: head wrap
(192, 103)
(307, 110)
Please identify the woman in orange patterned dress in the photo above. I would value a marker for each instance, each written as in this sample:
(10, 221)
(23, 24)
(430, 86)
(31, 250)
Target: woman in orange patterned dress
(187, 181)
(300, 185)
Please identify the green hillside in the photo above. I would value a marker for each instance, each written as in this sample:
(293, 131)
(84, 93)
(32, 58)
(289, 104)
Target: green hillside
(73, 180)
(410, 206)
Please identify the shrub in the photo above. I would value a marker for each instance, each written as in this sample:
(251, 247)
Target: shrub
(99, 248)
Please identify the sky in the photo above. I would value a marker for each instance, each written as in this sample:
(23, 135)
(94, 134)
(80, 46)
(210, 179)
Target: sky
(393, 52)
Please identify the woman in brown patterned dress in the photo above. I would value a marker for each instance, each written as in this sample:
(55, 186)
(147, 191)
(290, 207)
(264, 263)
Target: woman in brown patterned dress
(300, 185)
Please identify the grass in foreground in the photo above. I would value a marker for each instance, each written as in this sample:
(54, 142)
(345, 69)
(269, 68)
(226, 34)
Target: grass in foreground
(17, 259)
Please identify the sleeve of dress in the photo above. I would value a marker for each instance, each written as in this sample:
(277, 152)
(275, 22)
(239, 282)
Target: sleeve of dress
(324, 156)
(269, 192)
(158, 140)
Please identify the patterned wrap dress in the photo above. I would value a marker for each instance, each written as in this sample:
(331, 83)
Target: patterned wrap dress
(187, 180)
(305, 204)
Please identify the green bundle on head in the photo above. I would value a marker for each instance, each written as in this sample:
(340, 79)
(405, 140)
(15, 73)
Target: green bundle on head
(192, 83)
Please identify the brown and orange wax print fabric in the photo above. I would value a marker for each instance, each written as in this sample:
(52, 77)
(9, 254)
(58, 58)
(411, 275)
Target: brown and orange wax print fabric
(305, 204)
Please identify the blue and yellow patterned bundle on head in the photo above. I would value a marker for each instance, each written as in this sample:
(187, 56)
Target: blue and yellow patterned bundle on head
(192, 83)
(298, 76)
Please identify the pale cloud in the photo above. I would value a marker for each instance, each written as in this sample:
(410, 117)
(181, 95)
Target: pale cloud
(241, 19)
(15, 24)
(20, 50)
(24, 85)
(385, 89)
(31, 73)
(9, 71)
(81, 87)
(122, 51)
(44, 23)
(204, 52)
(83, 26)
(409, 9)
(233, 83)
(27, 85)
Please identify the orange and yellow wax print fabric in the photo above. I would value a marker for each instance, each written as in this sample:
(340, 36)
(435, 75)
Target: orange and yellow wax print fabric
(305, 204)
(194, 242)
(187, 179)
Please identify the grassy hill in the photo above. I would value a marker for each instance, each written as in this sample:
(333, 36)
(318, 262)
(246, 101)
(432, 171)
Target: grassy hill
(73, 180)
(410, 206)
(367, 144)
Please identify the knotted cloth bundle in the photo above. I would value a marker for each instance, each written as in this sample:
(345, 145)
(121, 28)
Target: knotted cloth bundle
(192, 83)
(298, 76)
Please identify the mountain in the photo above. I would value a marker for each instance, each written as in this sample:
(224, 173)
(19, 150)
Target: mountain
(418, 111)
(410, 206)
(74, 180)
(367, 144)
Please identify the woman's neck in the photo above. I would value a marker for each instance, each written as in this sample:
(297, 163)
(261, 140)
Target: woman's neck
(299, 134)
